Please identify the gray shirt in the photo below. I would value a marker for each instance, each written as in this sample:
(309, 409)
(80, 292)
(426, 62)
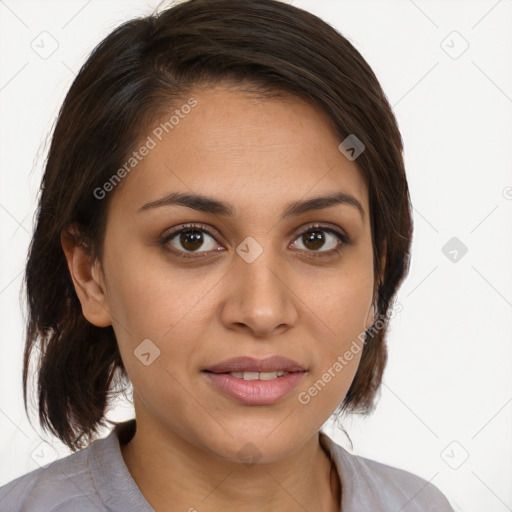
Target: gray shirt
(97, 479)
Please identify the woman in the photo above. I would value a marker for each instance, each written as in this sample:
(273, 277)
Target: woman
(224, 223)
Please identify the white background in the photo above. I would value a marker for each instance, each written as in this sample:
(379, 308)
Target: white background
(446, 406)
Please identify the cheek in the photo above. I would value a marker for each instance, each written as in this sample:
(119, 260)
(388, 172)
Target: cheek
(342, 306)
(345, 297)
(150, 301)
(176, 308)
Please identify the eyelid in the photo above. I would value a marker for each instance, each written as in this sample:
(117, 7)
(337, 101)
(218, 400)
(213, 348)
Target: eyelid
(190, 227)
(343, 238)
(338, 232)
(165, 239)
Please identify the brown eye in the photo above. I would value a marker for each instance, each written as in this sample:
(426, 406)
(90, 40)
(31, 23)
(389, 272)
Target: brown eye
(187, 242)
(189, 239)
(316, 238)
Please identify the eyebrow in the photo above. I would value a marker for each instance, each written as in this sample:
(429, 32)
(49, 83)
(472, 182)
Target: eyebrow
(215, 206)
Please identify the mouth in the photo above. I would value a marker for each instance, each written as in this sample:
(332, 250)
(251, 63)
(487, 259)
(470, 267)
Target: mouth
(255, 382)
(251, 365)
(254, 375)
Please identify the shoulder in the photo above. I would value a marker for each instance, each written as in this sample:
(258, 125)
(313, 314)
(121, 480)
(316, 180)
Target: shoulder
(372, 485)
(408, 491)
(65, 484)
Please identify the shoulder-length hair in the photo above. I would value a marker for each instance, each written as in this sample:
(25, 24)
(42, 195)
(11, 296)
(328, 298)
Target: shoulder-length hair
(130, 78)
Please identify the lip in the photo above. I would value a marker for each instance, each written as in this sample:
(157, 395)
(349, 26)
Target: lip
(255, 392)
(251, 364)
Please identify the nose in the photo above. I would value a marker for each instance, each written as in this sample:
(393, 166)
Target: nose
(260, 297)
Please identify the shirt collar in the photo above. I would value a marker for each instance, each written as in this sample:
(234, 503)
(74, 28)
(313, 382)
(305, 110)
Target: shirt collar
(124, 494)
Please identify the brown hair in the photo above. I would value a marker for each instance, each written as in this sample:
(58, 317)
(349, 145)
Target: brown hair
(142, 67)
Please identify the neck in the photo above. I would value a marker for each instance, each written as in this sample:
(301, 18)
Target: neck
(170, 470)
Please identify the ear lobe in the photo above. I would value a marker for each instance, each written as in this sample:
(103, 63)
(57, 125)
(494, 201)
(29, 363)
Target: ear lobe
(373, 310)
(87, 279)
(370, 317)
(383, 254)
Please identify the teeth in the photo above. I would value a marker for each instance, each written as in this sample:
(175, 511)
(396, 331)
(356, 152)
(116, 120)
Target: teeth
(268, 375)
(258, 375)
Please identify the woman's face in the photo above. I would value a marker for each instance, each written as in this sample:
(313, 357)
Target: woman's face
(245, 284)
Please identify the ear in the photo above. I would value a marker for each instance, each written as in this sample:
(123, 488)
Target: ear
(372, 312)
(383, 254)
(87, 279)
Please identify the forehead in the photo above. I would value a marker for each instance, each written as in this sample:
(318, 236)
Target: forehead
(249, 151)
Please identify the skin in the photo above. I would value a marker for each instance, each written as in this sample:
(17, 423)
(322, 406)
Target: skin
(258, 155)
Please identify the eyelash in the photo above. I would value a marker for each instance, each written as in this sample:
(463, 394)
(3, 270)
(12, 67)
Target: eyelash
(344, 239)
